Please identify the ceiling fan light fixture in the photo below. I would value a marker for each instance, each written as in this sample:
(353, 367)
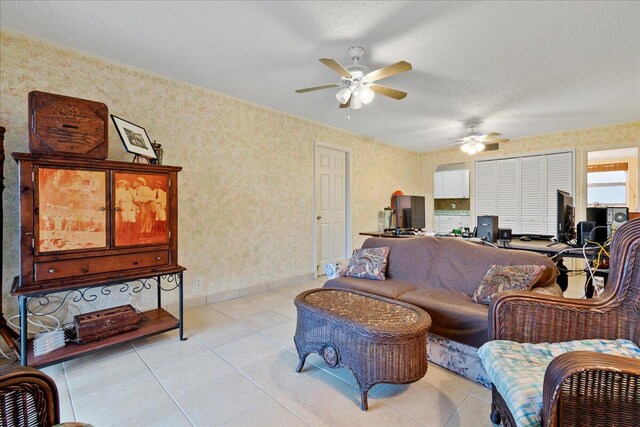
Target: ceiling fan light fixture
(472, 147)
(355, 102)
(366, 95)
(344, 94)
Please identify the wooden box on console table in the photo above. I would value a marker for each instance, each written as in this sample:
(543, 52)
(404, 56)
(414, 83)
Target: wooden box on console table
(84, 222)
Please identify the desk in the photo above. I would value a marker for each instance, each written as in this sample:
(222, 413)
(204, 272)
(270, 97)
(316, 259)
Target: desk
(387, 234)
(558, 251)
(542, 247)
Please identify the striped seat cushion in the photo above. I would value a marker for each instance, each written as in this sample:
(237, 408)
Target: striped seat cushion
(517, 370)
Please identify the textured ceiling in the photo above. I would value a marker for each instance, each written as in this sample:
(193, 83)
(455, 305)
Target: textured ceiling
(520, 68)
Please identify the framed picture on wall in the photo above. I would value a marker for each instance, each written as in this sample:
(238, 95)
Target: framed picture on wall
(134, 138)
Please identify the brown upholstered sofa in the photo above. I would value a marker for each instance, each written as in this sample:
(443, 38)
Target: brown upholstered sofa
(440, 274)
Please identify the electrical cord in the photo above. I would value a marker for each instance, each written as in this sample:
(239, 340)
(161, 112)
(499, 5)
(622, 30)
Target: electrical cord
(599, 253)
(46, 328)
(7, 356)
(486, 242)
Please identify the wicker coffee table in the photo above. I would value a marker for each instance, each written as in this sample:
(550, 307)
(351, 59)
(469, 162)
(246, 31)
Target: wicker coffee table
(380, 340)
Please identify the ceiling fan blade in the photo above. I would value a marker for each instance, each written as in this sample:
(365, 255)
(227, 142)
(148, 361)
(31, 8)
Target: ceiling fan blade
(388, 71)
(309, 89)
(387, 91)
(492, 135)
(346, 104)
(335, 66)
(492, 140)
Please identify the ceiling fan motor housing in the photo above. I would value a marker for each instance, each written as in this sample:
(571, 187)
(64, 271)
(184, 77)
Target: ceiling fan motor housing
(355, 53)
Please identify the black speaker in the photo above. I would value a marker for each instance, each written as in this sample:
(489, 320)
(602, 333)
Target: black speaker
(488, 228)
(504, 235)
(584, 230)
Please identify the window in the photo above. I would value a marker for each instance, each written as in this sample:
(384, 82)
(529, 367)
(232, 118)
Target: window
(607, 188)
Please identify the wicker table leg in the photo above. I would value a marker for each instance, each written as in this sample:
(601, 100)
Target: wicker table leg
(364, 402)
(495, 415)
(301, 363)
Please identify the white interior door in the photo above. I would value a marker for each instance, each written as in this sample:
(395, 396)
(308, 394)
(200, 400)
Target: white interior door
(331, 200)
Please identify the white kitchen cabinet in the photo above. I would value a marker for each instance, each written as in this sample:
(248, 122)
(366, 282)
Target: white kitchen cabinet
(438, 185)
(452, 184)
(446, 223)
(456, 184)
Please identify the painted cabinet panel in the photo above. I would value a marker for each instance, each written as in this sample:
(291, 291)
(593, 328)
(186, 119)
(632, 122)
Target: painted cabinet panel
(452, 184)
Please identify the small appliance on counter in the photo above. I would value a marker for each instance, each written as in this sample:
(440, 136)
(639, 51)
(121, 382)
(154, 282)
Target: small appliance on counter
(389, 219)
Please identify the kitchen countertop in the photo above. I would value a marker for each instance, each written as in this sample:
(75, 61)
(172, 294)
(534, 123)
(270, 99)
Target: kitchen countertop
(459, 213)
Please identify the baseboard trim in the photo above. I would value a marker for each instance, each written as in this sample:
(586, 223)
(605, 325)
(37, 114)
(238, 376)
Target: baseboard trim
(243, 292)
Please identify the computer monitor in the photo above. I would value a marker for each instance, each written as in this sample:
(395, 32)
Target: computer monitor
(409, 211)
(565, 218)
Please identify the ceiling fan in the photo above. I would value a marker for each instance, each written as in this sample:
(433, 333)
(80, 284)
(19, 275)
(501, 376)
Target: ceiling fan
(357, 80)
(473, 141)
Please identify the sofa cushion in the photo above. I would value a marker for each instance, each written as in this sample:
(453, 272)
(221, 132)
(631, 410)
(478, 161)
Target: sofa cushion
(389, 288)
(370, 263)
(454, 315)
(506, 278)
(517, 370)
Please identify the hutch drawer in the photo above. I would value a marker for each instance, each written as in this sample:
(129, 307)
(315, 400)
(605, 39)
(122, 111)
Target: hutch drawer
(87, 266)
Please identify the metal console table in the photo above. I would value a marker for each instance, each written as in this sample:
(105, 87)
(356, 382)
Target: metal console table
(159, 320)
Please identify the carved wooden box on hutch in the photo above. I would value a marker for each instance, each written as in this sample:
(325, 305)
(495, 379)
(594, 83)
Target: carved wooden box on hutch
(88, 224)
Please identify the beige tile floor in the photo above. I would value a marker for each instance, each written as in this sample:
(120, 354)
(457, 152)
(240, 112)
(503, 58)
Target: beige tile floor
(237, 369)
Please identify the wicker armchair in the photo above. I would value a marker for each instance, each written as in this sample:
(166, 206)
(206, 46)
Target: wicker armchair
(28, 397)
(581, 388)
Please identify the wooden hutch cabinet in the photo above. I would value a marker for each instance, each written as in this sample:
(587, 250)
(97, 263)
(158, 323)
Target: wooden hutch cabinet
(90, 223)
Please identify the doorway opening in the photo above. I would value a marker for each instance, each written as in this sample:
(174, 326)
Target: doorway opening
(612, 178)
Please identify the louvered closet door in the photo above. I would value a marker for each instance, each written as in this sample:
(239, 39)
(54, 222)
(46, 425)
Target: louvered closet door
(508, 196)
(533, 195)
(559, 177)
(485, 183)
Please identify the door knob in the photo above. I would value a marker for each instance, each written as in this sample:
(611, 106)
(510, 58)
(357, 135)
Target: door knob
(319, 217)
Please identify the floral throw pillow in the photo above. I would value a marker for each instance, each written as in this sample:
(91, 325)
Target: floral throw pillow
(506, 278)
(368, 263)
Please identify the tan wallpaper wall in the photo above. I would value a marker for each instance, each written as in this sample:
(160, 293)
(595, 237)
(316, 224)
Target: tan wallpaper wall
(583, 141)
(246, 168)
